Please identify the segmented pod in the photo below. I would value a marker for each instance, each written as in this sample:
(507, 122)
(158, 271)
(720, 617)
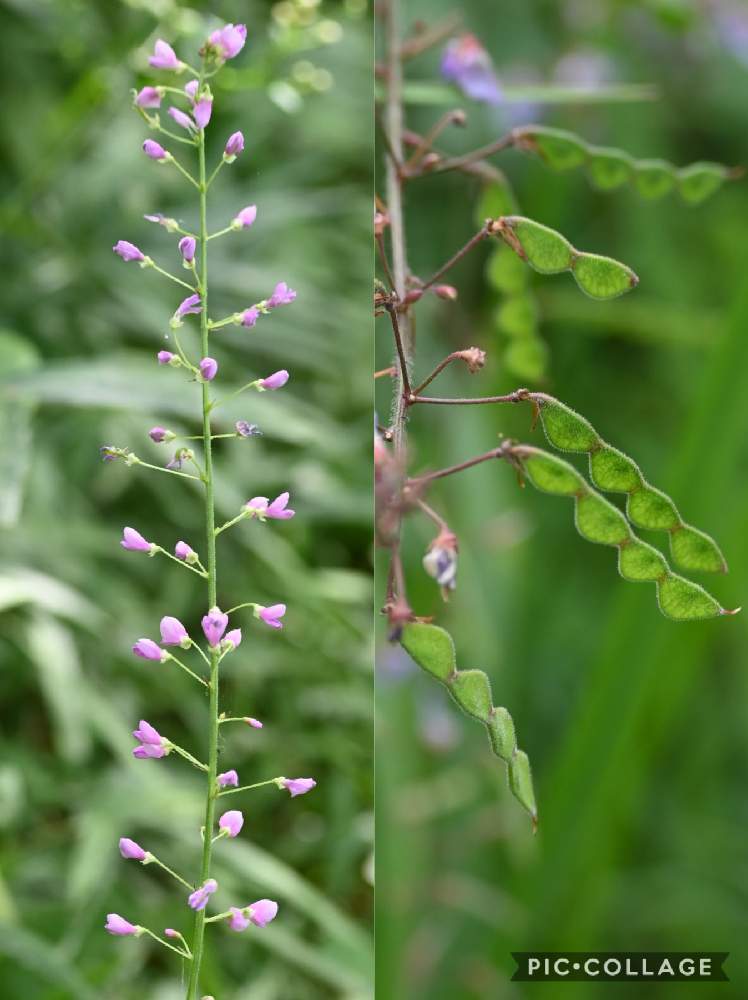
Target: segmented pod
(598, 521)
(549, 252)
(610, 168)
(433, 650)
(614, 472)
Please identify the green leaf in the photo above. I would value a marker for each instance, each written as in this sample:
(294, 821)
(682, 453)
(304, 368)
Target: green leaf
(613, 471)
(431, 647)
(609, 168)
(694, 550)
(682, 600)
(501, 733)
(654, 178)
(599, 521)
(543, 248)
(471, 689)
(699, 181)
(552, 475)
(520, 782)
(565, 428)
(640, 562)
(603, 277)
(649, 508)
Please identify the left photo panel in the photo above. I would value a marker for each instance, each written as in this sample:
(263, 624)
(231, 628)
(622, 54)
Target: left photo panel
(186, 772)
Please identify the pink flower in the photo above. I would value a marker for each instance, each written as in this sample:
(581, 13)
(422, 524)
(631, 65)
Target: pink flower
(234, 146)
(231, 823)
(129, 849)
(152, 743)
(232, 639)
(128, 251)
(149, 97)
(272, 615)
(190, 305)
(183, 551)
(254, 723)
(262, 912)
(187, 247)
(198, 899)
(147, 649)
(275, 381)
(208, 369)
(164, 357)
(237, 921)
(173, 632)
(116, 924)
(250, 316)
(229, 40)
(245, 218)
(281, 296)
(155, 151)
(134, 541)
(164, 56)
(214, 625)
(182, 119)
(298, 786)
(161, 434)
(277, 510)
(171, 933)
(228, 778)
(466, 63)
(202, 111)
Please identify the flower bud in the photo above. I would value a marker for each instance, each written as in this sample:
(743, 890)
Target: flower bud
(134, 541)
(245, 218)
(474, 357)
(187, 246)
(166, 357)
(208, 369)
(161, 434)
(129, 849)
(234, 146)
(183, 551)
(231, 823)
(214, 625)
(448, 292)
(202, 111)
(128, 251)
(254, 723)
(182, 119)
(250, 316)
(149, 97)
(173, 633)
(155, 151)
(147, 649)
(164, 57)
(228, 778)
(275, 381)
(190, 89)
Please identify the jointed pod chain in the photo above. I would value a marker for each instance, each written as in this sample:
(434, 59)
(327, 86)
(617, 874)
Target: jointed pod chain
(223, 44)
(596, 519)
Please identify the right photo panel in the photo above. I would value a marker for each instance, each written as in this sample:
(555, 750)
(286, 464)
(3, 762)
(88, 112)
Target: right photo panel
(561, 476)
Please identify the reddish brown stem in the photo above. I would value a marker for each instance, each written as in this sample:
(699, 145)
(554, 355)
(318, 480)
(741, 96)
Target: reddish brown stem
(518, 396)
(472, 242)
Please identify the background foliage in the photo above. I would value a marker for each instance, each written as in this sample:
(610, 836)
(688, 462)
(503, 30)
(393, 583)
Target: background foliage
(80, 330)
(635, 726)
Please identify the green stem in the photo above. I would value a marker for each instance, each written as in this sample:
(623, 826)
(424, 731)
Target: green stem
(188, 756)
(185, 173)
(234, 520)
(165, 943)
(155, 861)
(246, 788)
(187, 670)
(172, 277)
(159, 468)
(221, 232)
(210, 528)
(200, 572)
(233, 395)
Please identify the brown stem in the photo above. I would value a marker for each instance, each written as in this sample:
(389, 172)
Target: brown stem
(505, 450)
(456, 117)
(384, 372)
(383, 257)
(430, 37)
(404, 380)
(430, 512)
(458, 162)
(472, 242)
(439, 368)
(518, 396)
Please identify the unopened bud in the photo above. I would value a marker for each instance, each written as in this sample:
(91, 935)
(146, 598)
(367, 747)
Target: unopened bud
(474, 357)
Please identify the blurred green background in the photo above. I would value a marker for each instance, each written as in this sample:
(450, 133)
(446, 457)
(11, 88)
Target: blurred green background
(79, 333)
(636, 727)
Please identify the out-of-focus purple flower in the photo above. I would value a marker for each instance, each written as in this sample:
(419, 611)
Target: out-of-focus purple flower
(169, 224)
(254, 723)
(164, 357)
(116, 924)
(272, 615)
(182, 119)
(247, 430)
(466, 63)
(228, 778)
(188, 306)
(128, 251)
(281, 296)
(190, 89)
(161, 434)
(109, 453)
(181, 455)
(202, 111)
(134, 541)
(263, 911)
(147, 649)
(250, 316)
(149, 97)
(183, 551)
(298, 786)
(173, 632)
(232, 639)
(155, 151)
(214, 625)
(237, 920)
(245, 218)
(129, 849)
(164, 56)
(229, 40)
(198, 899)
(231, 823)
(275, 381)
(187, 246)
(208, 368)
(234, 146)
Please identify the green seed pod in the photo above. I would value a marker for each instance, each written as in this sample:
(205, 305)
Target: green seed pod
(506, 272)
(544, 249)
(599, 521)
(517, 316)
(650, 508)
(501, 733)
(603, 277)
(693, 550)
(682, 600)
(431, 647)
(641, 563)
(520, 782)
(699, 181)
(527, 358)
(609, 168)
(552, 475)
(471, 689)
(566, 429)
(654, 178)
(561, 150)
(613, 471)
